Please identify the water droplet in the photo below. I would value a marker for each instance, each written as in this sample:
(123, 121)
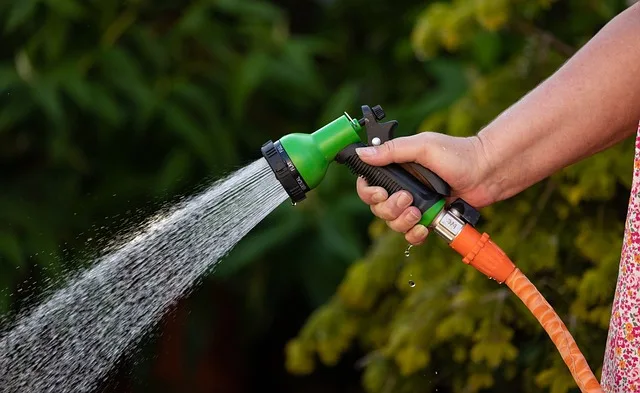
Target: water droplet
(89, 239)
(436, 373)
(407, 252)
(293, 203)
(412, 284)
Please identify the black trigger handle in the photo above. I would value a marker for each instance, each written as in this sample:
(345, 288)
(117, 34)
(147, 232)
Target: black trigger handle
(379, 133)
(392, 178)
(428, 178)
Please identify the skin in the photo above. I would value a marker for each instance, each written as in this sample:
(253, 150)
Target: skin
(588, 105)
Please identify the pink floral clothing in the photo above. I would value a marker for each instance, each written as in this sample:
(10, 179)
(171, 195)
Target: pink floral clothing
(621, 368)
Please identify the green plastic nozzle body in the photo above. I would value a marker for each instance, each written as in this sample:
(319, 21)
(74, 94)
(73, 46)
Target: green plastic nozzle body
(311, 154)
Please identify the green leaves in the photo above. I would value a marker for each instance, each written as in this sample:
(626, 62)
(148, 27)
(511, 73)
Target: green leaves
(46, 94)
(493, 344)
(19, 12)
(487, 48)
(182, 124)
(248, 77)
(10, 248)
(124, 72)
(557, 379)
(71, 9)
(251, 9)
(93, 99)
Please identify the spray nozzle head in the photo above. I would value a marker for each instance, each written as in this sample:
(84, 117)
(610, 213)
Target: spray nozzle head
(284, 170)
(300, 161)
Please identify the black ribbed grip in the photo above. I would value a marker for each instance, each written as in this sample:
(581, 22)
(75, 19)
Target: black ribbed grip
(373, 175)
(392, 178)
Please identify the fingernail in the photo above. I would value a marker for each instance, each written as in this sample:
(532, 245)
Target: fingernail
(413, 215)
(421, 232)
(366, 151)
(378, 197)
(404, 200)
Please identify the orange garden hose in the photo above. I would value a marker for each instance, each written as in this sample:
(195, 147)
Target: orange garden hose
(481, 253)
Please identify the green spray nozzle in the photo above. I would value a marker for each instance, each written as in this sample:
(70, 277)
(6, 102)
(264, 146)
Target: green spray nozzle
(300, 161)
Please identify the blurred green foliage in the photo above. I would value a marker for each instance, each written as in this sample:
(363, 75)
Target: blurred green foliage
(565, 233)
(110, 110)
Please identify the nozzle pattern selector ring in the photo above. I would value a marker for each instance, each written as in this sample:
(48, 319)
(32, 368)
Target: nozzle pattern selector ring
(284, 170)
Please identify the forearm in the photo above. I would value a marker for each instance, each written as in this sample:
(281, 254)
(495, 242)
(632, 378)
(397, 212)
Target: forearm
(588, 105)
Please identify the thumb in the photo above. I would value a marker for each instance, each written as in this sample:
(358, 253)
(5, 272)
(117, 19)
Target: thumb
(398, 150)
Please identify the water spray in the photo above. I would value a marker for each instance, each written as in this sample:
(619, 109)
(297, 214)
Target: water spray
(300, 162)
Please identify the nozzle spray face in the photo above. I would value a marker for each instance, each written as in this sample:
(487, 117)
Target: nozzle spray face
(285, 170)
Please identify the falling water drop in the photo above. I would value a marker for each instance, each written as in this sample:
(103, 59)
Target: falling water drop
(412, 283)
(407, 252)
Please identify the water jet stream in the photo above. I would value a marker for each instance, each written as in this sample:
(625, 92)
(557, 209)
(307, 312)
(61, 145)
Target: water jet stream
(69, 342)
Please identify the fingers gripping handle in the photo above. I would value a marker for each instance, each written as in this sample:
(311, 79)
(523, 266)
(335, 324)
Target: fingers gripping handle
(393, 178)
(379, 133)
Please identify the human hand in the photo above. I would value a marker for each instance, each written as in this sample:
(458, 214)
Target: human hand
(461, 162)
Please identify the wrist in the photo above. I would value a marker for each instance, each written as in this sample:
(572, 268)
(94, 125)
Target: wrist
(488, 175)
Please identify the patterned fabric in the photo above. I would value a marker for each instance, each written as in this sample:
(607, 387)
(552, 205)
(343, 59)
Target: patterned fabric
(621, 367)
